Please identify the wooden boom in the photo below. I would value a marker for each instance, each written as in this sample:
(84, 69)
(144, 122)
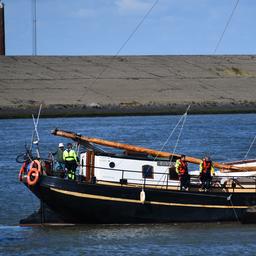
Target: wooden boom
(80, 138)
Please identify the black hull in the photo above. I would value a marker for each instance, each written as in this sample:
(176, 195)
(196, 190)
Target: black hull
(97, 203)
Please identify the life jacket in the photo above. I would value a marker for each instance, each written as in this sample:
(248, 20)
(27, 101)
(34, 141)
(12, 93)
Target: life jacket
(207, 167)
(183, 167)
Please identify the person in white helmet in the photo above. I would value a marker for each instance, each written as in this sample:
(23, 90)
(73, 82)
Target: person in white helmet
(60, 165)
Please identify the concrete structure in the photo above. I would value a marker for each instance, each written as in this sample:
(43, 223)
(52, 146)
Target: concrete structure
(127, 85)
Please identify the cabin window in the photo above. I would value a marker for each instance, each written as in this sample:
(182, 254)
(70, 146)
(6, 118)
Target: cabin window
(112, 165)
(147, 172)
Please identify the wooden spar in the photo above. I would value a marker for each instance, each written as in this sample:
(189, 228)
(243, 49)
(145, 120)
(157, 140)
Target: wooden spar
(80, 138)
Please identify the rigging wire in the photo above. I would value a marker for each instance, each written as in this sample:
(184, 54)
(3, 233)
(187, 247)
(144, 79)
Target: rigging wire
(166, 141)
(181, 118)
(184, 117)
(137, 27)
(123, 45)
(226, 26)
(250, 147)
(35, 131)
(182, 126)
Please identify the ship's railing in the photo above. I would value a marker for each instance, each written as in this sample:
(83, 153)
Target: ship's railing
(171, 178)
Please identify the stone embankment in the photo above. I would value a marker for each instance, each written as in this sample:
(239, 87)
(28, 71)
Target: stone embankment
(105, 85)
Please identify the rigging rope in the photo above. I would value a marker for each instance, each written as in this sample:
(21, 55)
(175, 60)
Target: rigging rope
(177, 141)
(226, 26)
(167, 140)
(229, 198)
(123, 45)
(182, 126)
(35, 131)
(250, 147)
(184, 117)
(137, 27)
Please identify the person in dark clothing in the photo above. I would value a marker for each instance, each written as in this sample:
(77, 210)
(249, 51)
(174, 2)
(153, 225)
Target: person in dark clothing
(182, 171)
(206, 172)
(60, 163)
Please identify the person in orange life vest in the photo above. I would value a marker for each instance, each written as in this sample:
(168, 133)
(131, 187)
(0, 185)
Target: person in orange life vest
(206, 172)
(182, 171)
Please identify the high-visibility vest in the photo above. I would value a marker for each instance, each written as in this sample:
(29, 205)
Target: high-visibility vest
(181, 167)
(69, 155)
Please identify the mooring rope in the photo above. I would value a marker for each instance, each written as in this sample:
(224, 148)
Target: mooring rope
(229, 198)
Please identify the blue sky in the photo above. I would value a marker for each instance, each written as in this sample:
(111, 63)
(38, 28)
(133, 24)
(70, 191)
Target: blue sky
(100, 27)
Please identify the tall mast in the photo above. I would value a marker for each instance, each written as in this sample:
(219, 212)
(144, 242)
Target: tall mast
(2, 30)
(34, 27)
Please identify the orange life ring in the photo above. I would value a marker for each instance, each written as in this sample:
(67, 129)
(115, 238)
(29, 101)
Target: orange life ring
(22, 170)
(34, 173)
(35, 165)
(33, 176)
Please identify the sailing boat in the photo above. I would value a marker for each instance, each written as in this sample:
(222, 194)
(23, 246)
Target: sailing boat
(137, 186)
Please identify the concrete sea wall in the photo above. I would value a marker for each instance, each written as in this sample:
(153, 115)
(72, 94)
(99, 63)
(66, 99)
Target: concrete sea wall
(105, 85)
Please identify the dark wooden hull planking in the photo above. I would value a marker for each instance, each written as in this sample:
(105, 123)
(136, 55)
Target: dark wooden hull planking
(101, 203)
